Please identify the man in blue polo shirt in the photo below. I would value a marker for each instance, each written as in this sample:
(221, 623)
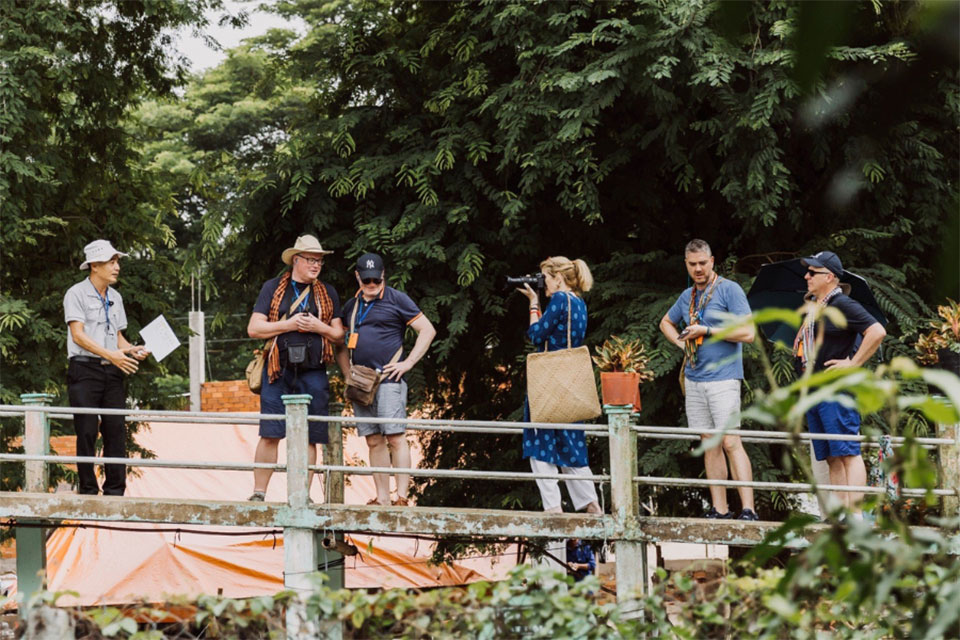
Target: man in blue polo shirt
(376, 319)
(713, 370)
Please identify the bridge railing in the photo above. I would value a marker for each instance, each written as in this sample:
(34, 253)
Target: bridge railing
(301, 519)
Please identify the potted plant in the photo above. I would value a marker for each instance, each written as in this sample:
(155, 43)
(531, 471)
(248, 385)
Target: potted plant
(941, 346)
(623, 365)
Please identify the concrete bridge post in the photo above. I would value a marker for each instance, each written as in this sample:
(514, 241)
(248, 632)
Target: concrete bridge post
(31, 541)
(631, 555)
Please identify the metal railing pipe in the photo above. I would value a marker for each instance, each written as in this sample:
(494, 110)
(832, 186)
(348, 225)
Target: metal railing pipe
(778, 486)
(250, 466)
(785, 435)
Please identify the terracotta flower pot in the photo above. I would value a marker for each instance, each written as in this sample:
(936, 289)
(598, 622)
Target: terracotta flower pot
(619, 388)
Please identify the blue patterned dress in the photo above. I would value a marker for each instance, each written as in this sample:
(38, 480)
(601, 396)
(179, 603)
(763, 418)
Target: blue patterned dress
(561, 447)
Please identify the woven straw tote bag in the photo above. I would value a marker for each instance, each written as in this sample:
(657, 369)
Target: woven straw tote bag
(561, 387)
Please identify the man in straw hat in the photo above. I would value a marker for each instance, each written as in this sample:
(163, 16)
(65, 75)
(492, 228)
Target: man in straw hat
(303, 313)
(849, 346)
(99, 355)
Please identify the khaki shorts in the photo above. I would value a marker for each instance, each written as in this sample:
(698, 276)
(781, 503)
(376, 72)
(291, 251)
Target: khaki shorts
(391, 402)
(713, 404)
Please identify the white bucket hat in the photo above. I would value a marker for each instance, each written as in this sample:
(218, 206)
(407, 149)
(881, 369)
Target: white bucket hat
(100, 251)
(304, 244)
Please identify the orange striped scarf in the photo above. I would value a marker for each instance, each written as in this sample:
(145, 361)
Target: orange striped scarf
(325, 307)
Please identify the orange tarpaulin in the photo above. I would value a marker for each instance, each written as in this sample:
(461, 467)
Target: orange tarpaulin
(114, 567)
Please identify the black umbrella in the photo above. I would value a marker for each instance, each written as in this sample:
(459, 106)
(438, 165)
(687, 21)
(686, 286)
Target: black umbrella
(781, 285)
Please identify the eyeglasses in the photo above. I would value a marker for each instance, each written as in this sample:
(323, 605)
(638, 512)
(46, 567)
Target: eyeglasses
(813, 272)
(312, 261)
(371, 280)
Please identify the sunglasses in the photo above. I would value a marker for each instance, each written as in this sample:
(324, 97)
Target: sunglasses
(814, 272)
(371, 281)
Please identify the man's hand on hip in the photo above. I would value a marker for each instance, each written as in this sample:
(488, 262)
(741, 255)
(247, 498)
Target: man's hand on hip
(846, 363)
(396, 370)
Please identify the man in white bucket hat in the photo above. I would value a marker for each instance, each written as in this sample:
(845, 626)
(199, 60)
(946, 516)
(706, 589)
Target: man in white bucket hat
(99, 357)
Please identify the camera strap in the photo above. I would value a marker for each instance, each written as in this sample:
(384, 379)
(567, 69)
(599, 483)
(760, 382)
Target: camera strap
(296, 303)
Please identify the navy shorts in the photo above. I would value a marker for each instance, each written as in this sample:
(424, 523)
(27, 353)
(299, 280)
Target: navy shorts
(312, 381)
(833, 417)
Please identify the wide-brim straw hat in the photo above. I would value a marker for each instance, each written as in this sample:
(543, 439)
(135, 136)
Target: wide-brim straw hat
(100, 251)
(304, 244)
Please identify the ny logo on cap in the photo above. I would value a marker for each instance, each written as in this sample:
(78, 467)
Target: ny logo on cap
(370, 264)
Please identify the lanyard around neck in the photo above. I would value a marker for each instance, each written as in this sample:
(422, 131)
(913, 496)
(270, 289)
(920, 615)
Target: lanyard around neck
(697, 310)
(296, 294)
(363, 311)
(105, 301)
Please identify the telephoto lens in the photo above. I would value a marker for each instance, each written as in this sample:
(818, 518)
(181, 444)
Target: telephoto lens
(534, 280)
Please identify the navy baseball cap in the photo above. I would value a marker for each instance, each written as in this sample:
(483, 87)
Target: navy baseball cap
(825, 260)
(370, 265)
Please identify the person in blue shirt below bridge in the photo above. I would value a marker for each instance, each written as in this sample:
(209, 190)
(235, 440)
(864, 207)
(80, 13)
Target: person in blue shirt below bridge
(713, 370)
(376, 318)
(580, 558)
(549, 449)
(297, 362)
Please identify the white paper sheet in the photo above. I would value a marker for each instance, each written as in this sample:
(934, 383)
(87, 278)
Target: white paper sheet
(159, 338)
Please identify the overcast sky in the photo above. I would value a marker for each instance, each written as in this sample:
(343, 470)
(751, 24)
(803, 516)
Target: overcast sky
(203, 57)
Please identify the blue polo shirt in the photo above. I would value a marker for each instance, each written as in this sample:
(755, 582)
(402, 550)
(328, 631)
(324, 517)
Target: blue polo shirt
(718, 360)
(380, 325)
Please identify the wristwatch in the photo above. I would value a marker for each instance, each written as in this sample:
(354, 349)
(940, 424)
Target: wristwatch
(709, 332)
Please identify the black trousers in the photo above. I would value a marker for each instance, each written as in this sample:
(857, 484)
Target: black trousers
(90, 384)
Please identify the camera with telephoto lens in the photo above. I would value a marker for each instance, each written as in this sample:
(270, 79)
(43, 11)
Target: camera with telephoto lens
(535, 281)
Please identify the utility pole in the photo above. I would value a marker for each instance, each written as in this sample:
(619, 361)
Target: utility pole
(197, 344)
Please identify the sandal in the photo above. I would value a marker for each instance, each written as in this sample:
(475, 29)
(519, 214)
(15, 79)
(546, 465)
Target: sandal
(374, 502)
(401, 502)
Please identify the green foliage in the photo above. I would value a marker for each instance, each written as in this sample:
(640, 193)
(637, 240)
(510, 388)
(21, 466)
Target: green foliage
(854, 581)
(530, 603)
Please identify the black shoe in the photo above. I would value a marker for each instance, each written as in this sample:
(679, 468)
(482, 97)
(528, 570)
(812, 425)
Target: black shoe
(748, 514)
(713, 514)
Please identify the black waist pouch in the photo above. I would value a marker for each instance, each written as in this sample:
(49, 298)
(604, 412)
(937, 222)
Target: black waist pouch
(296, 354)
(301, 355)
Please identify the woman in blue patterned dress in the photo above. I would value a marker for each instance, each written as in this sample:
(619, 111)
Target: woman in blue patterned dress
(566, 449)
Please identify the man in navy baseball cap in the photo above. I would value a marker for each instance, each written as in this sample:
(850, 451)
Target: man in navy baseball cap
(831, 346)
(825, 260)
(377, 318)
(369, 265)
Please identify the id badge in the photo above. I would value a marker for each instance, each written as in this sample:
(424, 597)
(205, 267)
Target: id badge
(352, 340)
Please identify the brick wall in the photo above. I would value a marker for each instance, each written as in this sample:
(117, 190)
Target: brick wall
(229, 395)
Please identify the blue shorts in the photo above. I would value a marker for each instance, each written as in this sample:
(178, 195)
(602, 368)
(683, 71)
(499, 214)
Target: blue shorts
(834, 418)
(312, 381)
